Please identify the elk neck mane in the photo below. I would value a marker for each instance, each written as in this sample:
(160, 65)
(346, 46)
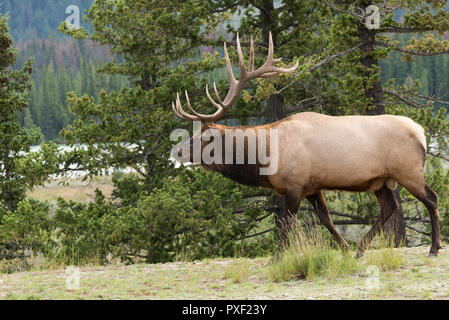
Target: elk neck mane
(247, 174)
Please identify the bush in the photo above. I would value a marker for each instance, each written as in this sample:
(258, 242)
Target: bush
(195, 215)
(198, 214)
(81, 231)
(24, 232)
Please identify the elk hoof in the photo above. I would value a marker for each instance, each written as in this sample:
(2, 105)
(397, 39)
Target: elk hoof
(434, 250)
(359, 254)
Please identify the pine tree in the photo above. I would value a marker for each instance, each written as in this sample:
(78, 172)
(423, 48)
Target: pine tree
(14, 140)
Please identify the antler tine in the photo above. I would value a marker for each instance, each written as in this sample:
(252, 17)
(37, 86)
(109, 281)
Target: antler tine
(200, 115)
(190, 106)
(181, 111)
(270, 49)
(243, 71)
(218, 95)
(176, 111)
(217, 105)
(229, 66)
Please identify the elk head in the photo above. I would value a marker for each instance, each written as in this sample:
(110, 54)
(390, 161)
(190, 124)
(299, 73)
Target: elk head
(207, 125)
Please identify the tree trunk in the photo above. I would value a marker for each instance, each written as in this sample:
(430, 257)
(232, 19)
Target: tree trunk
(276, 106)
(394, 228)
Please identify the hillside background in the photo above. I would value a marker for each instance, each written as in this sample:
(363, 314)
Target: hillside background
(63, 64)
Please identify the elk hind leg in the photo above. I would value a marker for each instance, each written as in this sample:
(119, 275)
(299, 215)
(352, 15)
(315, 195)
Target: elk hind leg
(388, 206)
(320, 206)
(428, 197)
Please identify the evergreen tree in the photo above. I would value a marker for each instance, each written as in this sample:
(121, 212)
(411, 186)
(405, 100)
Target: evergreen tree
(20, 169)
(14, 140)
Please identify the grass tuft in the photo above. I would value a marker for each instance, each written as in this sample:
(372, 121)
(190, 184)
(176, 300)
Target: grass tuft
(385, 257)
(237, 272)
(310, 255)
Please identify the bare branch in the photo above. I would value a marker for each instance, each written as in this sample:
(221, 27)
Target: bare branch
(438, 156)
(419, 231)
(403, 99)
(256, 234)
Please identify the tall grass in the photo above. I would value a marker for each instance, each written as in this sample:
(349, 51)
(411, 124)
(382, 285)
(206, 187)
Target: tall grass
(383, 254)
(237, 272)
(309, 254)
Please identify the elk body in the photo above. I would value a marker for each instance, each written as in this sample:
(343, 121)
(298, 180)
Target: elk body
(317, 152)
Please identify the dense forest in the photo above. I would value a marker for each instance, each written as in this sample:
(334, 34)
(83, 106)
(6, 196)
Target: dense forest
(63, 64)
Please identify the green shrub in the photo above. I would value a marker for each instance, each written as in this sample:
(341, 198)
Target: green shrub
(81, 231)
(195, 215)
(199, 214)
(24, 232)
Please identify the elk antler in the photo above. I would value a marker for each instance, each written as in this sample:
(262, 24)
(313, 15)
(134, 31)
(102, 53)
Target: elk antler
(267, 70)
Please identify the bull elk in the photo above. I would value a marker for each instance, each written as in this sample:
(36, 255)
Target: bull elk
(318, 152)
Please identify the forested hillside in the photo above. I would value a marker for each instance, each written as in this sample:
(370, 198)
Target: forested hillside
(63, 64)
(30, 19)
(432, 71)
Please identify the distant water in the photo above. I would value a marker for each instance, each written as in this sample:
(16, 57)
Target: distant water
(65, 148)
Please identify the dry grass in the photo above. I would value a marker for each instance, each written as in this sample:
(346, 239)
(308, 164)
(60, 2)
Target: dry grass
(77, 190)
(237, 272)
(310, 255)
(384, 256)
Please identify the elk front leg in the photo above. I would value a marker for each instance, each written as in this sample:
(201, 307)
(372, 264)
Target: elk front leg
(319, 204)
(286, 220)
(388, 206)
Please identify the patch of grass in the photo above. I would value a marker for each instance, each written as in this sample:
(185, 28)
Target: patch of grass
(385, 257)
(237, 272)
(76, 190)
(426, 295)
(309, 255)
(205, 280)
